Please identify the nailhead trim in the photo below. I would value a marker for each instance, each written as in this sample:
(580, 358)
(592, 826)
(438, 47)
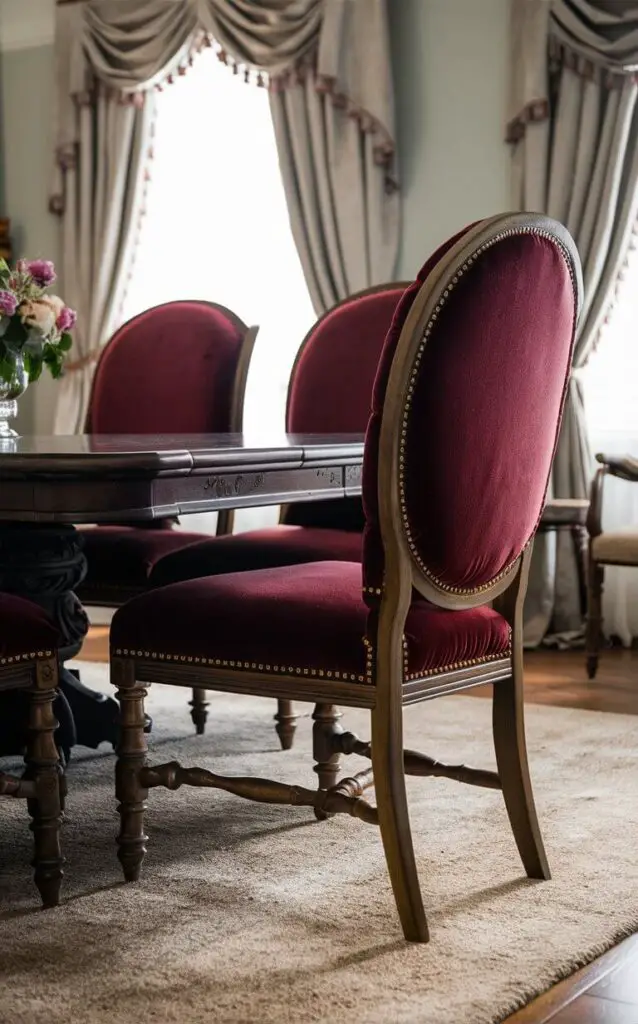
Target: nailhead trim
(291, 670)
(411, 386)
(123, 652)
(31, 656)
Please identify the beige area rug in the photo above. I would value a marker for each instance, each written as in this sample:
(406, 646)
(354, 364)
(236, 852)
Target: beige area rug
(249, 913)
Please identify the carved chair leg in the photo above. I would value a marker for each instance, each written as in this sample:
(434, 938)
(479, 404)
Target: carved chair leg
(131, 758)
(286, 720)
(325, 724)
(593, 635)
(43, 767)
(511, 757)
(199, 714)
(394, 820)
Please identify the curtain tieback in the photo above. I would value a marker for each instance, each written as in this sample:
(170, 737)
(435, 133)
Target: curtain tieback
(577, 374)
(83, 361)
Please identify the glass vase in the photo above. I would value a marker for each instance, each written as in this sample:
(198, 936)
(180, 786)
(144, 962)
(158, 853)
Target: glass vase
(10, 392)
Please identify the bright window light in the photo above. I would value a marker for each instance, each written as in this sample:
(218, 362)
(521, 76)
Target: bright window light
(216, 224)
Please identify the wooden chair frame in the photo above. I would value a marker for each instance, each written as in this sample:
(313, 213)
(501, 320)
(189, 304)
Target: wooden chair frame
(286, 717)
(43, 784)
(625, 469)
(386, 696)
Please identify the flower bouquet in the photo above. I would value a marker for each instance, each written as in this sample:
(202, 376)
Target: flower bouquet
(34, 331)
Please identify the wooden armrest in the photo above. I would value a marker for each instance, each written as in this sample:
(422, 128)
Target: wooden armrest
(623, 466)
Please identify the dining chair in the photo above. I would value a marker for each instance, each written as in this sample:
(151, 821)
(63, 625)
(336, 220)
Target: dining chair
(29, 662)
(466, 409)
(178, 368)
(329, 392)
(606, 547)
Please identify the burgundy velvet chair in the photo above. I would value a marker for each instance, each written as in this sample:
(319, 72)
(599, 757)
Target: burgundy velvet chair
(29, 661)
(178, 368)
(466, 411)
(330, 391)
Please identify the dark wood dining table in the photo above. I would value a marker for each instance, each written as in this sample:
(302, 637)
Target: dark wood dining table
(48, 485)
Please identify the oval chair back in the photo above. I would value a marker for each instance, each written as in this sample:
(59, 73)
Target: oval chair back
(178, 368)
(330, 389)
(467, 408)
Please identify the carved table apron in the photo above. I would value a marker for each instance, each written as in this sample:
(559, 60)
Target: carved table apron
(48, 484)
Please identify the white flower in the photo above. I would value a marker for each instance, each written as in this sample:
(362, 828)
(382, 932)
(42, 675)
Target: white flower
(39, 313)
(56, 303)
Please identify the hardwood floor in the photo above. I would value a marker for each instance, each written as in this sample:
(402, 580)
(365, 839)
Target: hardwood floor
(605, 992)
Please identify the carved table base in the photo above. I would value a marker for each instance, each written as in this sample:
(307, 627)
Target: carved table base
(45, 564)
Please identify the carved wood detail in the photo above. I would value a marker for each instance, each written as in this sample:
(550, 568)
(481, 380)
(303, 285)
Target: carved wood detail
(21, 788)
(43, 768)
(415, 763)
(331, 801)
(286, 719)
(131, 758)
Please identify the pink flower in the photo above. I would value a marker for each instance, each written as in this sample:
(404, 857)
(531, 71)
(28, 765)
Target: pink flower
(66, 319)
(42, 272)
(8, 303)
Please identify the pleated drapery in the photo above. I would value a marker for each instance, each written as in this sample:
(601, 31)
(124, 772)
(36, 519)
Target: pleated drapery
(574, 132)
(327, 65)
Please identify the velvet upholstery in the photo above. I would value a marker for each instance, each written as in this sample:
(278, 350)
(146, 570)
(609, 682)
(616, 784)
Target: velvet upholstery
(257, 549)
(306, 620)
(25, 629)
(127, 554)
(168, 370)
(330, 388)
(481, 434)
(330, 391)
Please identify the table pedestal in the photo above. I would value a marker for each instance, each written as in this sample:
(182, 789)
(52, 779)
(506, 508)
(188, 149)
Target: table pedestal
(44, 564)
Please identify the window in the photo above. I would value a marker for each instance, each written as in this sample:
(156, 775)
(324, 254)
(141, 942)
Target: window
(611, 404)
(217, 227)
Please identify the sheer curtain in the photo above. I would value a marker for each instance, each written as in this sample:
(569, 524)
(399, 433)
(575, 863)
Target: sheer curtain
(611, 402)
(216, 227)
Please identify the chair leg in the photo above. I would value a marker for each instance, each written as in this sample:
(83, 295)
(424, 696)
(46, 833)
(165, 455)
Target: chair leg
(595, 581)
(199, 714)
(286, 720)
(325, 724)
(511, 757)
(131, 757)
(43, 766)
(394, 820)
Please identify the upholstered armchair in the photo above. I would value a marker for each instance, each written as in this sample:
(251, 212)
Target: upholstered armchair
(329, 391)
(466, 410)
(617, 547)
(29, 662)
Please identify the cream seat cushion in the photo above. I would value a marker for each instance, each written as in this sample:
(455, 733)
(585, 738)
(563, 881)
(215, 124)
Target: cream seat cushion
(620, 546)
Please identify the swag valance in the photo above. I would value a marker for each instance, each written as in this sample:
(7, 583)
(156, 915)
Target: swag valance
(133, 46)
(598, 39)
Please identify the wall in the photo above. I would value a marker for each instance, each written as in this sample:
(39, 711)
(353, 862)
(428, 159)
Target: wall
(26, 141)
(450, 61)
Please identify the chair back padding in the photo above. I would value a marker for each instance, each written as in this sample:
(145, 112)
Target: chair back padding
(171, 369)
(473, 380)
(331, 383)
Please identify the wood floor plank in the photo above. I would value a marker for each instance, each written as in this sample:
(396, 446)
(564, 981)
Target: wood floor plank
(592, 1010)
(573, 989)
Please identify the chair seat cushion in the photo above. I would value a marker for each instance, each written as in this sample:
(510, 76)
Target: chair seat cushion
(618, 546)
(305, 620)
(258, 549)
(26, 631)
(125, 555)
